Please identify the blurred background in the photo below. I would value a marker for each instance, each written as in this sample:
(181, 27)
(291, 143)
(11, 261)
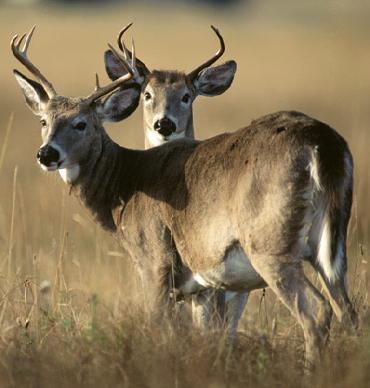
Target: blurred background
(308, 55)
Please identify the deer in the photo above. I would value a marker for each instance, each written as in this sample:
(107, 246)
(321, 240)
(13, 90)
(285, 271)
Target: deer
(167, 99)
(168, 95)
(243, 210)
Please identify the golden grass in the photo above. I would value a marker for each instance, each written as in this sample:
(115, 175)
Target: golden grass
(70, 314)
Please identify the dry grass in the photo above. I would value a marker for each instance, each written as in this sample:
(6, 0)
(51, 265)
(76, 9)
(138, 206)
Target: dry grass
(88, 327)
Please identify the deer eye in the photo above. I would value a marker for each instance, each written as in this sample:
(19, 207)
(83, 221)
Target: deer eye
(80, 126)
(185, 98)
(147, 96)
(43, 123)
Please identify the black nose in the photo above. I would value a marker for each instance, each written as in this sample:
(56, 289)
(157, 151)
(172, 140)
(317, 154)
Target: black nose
(47, 155)
(165, 126)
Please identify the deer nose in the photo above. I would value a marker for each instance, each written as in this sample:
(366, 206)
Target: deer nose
(165, 126)
(47, 155)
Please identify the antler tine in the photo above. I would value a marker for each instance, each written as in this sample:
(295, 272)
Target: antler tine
(130, 67)
(139, 67)
(97, 84)
(121, 43)
(102, 91)
(28, 39)
(213, 59)
(126, 52)
(21, 55)
(133, 59)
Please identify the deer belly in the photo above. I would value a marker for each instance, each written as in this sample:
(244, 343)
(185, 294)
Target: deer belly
(235, 273)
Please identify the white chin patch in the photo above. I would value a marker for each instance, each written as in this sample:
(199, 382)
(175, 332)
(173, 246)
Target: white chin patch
(51, 167)
(70, 174)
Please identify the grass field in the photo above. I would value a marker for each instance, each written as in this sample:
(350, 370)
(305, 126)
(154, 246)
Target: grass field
(70, 314)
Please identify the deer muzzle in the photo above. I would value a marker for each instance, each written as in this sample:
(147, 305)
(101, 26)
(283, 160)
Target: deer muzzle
(47, 156)
(165, 126)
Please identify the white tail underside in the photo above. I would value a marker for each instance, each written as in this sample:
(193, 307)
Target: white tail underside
(321, 234)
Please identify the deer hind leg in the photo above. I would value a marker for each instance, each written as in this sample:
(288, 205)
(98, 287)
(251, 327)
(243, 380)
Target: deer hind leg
(339, 300)
(333, 275)
(332, 264)
(288, 281)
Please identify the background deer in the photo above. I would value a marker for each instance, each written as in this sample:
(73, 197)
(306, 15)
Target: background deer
(168, 95)
(242, 209)
(167, 98)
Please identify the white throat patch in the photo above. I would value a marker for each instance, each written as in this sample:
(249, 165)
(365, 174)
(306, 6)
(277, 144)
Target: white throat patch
(70, 174)
(156, 139)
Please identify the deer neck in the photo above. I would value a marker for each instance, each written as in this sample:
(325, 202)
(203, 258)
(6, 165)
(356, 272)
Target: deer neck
(105, 180)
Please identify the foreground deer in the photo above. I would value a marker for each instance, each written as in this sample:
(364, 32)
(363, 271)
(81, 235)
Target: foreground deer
(168, 98)
(241, 210)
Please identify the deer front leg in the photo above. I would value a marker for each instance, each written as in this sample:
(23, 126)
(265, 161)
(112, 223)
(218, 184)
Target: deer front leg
(234, 306)
(208, 309)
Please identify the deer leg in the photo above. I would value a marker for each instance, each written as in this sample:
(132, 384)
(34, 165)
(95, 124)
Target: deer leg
(339, 300)
(144, 282)
(156, 286)
(163, 306)
(287, 279)
(218, 309)
(208, 308)
(235, 304)
(153, 294)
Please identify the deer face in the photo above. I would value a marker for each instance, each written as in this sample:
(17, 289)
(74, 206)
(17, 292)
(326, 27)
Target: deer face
(68, 134)
(168, 95)
(167, 105)
(71, 128)
(168, 98)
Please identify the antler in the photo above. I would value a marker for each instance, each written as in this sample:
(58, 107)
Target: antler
(193, 74)
(131, 71)
(127, 54)
(120, 42)
(21, 55)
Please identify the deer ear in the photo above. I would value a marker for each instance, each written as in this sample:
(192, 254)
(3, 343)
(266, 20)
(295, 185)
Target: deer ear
(120, 104)
(35, 95)
(113, 66)
(115, 69)
(214, 81)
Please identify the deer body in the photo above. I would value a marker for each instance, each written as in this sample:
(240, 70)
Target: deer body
(240, 209)
(256, 190)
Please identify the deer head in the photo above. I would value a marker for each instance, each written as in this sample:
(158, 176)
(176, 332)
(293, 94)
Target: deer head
(168, 96)
(72, 128)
